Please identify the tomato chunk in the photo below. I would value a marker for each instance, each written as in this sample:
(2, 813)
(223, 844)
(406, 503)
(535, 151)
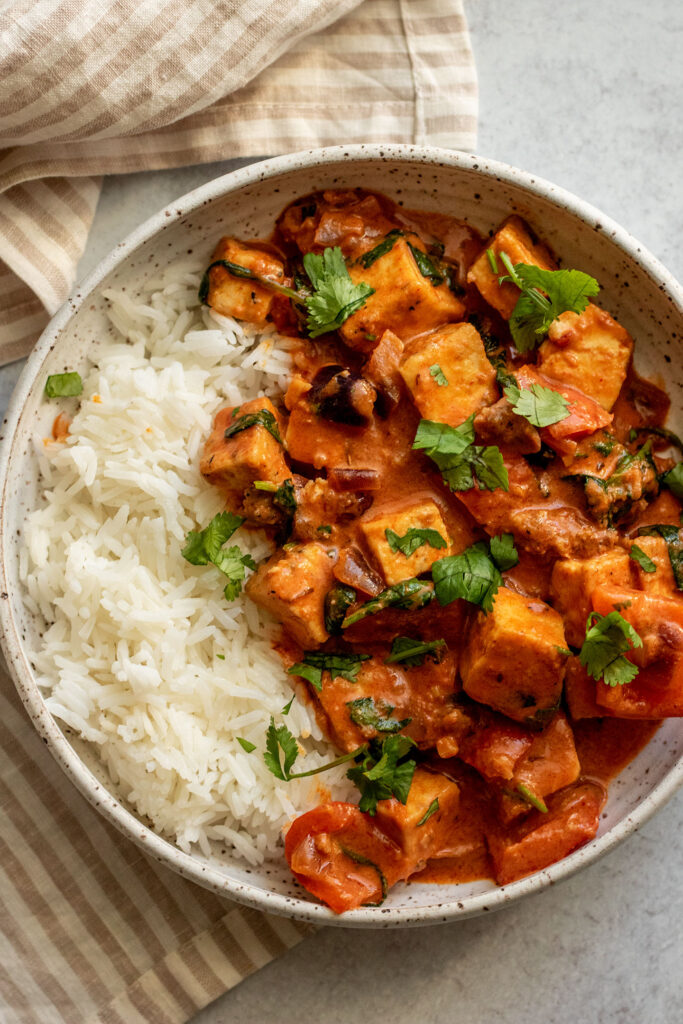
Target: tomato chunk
(339, 854)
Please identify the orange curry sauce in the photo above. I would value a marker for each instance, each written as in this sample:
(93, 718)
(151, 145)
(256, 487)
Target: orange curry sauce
(516, 743)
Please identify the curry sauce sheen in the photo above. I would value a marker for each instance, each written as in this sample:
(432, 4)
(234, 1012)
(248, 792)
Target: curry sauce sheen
(477, 564)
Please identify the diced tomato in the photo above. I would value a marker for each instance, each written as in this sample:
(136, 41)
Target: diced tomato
(340, 855)
(585, 415)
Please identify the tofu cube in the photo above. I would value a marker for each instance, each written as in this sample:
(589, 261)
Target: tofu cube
(251, 454)
(512, 659)
(401, 822)
(661, 581)
(574, 580)
(551, 762)
(513, 238)
(591, 352)
(403, 301)
(292, 586)
(394, 565)
(458, 351)
(237, 296)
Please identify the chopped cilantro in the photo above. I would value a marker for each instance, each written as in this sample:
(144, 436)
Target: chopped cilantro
(413, 539)
(672, 536)
(608, 638)
(408, 594)
(383, 771)
(325, 528)
(493, 262)
(503, 551)
(221, 656)
(412, 652)
(365, 713)
(432, 809)
(246, 745)
(539, 405)
(426, 266)
(336, 297)
(63, 385)
(239, 271)
(459, 459)
(385, 246)
(288, 706)
(206, 546)
(439, 376)
(545, 294)
(674, 480)
(472, 575)
(280, 743)
(316, 662)
(262, 418)
(531, 798)
(643, 560)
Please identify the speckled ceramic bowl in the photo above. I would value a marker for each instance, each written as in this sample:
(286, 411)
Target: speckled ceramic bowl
(635, 288)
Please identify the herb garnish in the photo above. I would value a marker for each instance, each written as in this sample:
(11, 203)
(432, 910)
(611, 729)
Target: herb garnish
(385, 246)
(204, 546)
(246, 745)
(281, 743)
(531, 798)
(336, 297)
(412, 652)
(413, 539)
(382, 771)
(674, 480)
(315, 663)
(64, 385)
(474, 575)
(432, 809)
(262, 418)
(643, 560)
(439, 376)
(364, 712)
(325, 528)
(608, 638)
(288, 706)
(239, 271)
(408, 594)
(426, 266)
(672, 536)
(539, 405)
(545, 295)
(459, 459)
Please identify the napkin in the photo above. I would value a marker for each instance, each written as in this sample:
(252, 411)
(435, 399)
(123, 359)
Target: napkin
(93, 931)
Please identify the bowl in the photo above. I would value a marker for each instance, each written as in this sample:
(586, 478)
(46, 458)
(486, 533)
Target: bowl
(635, 288)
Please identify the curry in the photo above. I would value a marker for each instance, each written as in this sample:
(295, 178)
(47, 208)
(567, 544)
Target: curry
(476, 506)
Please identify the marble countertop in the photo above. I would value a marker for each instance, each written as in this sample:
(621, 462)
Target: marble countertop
(587, 95)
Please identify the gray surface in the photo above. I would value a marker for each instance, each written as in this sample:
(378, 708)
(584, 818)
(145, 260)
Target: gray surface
(587, 94)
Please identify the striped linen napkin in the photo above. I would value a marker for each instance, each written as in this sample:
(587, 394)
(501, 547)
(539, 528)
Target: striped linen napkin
(92, 931)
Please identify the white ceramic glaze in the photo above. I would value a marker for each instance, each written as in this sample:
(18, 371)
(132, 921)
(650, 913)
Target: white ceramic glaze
(635, 287)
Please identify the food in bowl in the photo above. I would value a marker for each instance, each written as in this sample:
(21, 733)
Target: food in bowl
(457, 480)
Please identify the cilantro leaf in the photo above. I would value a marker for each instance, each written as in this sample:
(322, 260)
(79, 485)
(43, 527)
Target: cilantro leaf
(288, 706)
(262, 418)
(439, 376)
(458, 458)
(545, 294)
(432, 809)
(674, 480)
(531, 798)
(412, 652)
(365, 713)
(246, 745)
(426, 266)
(414, 539)
(385, 246)
(206, 546)
(608, 638)
(384, 771)
(539, 405)
(279, 743)
(643, 560)
(63, 385)
(336, 297)
(315, 663)
(672, 536)
(503, 551)
(239, 271)
(471, 575)
(408, 594)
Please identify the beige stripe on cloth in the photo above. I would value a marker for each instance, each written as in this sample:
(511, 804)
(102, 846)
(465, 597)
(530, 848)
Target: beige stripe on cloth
(92, 931)
(92, 88)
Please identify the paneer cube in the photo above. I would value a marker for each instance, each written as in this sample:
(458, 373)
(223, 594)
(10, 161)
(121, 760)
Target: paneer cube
(404, 301)
(514, 238)
(248, 455)
(661, 581)
(542, 839)
(395, 565)
(401, 822)
(574, 580)
(590, 351)
(237, 296)
(513, 658)
(457, 352)
(292, 586)
(551, 762)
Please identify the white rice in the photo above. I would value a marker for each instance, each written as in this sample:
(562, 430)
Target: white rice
(131, 659)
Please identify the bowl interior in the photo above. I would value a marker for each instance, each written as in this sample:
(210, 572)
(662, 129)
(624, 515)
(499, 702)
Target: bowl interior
(246, 204)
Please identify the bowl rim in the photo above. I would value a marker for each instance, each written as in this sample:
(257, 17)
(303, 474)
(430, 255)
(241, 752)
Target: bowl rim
(188, 865)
